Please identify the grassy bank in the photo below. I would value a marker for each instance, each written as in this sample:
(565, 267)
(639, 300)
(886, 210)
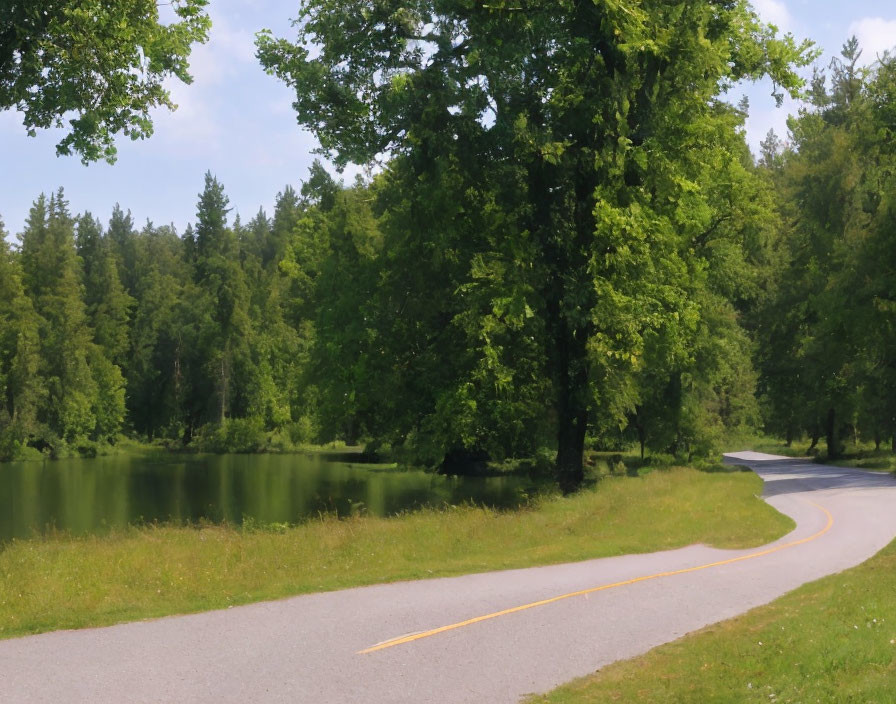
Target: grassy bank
(869, 459)
(775, 446)
(63, 582)
(265, 443)
(830, 641)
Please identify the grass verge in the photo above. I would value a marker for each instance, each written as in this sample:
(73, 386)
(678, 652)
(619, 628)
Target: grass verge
(870, 460)
(55, 582)
(833, 640)
(775, 446)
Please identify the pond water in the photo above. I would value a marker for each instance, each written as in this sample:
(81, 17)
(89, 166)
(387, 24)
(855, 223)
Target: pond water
(90, 495)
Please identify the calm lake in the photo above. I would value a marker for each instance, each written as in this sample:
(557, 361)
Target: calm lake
(90, 495)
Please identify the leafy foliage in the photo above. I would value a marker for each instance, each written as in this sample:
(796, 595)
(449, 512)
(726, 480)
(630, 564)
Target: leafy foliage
(822, 372)
(570, 139)
(104, 61)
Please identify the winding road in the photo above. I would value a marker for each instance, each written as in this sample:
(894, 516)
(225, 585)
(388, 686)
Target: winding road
(479, 638)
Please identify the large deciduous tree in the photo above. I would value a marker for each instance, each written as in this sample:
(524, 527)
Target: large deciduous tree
(580, 122)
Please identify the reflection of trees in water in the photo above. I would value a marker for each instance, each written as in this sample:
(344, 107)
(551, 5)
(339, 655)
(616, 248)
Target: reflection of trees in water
(89, 495)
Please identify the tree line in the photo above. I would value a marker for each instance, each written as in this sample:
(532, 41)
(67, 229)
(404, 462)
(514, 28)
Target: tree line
(339, 317)
(566, 238)
(827, 358)
(204, 339)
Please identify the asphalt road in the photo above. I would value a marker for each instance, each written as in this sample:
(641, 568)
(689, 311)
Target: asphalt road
(307, 649)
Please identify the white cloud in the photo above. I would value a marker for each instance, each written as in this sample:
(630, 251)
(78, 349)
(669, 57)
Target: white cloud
(282, 105)
(197, 127)
(876, 35)
(227, 50)
(774, 12)
(193, 128)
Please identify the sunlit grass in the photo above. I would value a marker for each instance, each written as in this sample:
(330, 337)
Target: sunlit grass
(55, 582)
(830, 641)
(775, 446)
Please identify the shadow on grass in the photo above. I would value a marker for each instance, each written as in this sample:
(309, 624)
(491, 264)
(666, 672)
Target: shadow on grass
(863, 459)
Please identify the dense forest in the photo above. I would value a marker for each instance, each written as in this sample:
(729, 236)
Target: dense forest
(566, 240)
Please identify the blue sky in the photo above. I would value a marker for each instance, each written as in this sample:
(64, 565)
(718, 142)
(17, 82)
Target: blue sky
(238, 122)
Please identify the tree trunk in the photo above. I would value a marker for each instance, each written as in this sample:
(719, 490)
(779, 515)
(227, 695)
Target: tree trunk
(351, 432)
(225, 381)
(638, 423)
(831, 432)
(568, 326)
(572, 404)
(570, 450)
(814, 442)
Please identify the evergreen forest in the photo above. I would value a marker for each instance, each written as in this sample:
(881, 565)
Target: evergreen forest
(565, 241)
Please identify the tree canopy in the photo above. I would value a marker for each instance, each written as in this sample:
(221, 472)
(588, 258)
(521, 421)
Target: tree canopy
(97, 65)
(585, 126)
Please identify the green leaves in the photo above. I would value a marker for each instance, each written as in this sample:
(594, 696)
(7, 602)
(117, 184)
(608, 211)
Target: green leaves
(591, 131)
(98, 66)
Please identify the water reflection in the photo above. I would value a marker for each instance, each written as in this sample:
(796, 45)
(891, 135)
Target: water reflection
(86, 496)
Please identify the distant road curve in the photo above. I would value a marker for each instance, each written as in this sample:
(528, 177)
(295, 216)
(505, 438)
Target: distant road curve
(489, 637)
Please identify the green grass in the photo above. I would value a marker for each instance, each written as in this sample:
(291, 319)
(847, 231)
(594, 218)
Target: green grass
(776, 446)
(58, 582)
(829, 641)
(868, 459)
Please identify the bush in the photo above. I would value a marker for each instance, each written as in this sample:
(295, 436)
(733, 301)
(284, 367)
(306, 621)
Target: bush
(303, 431)
(10, 444)
(244, 435)
(48, 443)
(88, 448)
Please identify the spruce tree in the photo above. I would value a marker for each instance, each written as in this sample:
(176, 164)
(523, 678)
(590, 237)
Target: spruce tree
(224, 350)
(20, 383)
(108, 304)
(85, 398)
(121, 237)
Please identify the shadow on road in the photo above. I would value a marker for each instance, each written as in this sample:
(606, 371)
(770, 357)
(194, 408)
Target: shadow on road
(793, 476)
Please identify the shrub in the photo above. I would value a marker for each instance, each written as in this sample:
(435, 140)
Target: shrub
(303, 431)
(233, 435)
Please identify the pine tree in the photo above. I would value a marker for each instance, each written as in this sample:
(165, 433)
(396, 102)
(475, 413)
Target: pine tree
(121, 237)
(163, 335)
(20, 383)
(224, 351)
(52, 281)
(108, 304)
(85, 399)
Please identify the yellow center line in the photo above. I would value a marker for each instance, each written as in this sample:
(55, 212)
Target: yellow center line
(469, 622)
